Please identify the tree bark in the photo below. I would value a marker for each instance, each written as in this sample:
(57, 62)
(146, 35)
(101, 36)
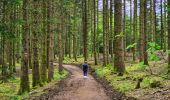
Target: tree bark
(94, 37)
(35, 42)
(135, 30)
(168, 39)
(141, 52)
(51, 40)
(85, 33)
(145, 34)
(162, 27)
(104, 32)
(24, 85)
(44, 44)
(118, 43)
(165, 26)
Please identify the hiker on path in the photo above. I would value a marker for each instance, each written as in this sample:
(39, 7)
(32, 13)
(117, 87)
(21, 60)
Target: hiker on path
(85, 69)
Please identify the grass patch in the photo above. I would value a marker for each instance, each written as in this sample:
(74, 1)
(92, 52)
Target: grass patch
(68, 60)
(125, 87)
(58, 76)
(129, 81)
(9, 89)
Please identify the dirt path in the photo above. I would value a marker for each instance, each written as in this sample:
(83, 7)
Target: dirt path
(77, 88)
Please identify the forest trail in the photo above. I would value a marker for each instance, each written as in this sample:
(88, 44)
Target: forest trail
(78, 88)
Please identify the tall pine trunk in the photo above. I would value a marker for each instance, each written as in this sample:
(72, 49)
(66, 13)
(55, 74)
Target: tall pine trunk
(50, 40)
(94, 37)
(44, 55)
(124, 28)
(104, 32)
(168, 39)
(118, 43)
(85, 32)
(162, 27)
(165, 26)
(24, 85)
(111, 29)
(145, 34)
(35, 42)
(142, 21)
(135, 30)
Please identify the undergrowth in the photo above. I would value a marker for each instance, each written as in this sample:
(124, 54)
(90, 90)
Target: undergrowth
(9, 89)
(127, 82)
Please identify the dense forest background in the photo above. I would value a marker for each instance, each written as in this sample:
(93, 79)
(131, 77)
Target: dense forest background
(38, 36)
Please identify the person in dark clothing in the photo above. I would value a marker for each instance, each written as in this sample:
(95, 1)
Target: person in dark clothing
(85, 69)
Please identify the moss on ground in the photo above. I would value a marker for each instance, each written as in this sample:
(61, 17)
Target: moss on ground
(9, 89)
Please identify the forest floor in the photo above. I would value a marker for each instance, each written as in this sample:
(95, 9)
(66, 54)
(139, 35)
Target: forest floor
(77, 88)
(102, 83)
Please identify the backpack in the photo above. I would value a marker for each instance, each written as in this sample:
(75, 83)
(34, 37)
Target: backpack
(85, 67)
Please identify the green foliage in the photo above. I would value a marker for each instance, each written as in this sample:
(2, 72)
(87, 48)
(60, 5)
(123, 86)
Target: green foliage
(58, 76)
(125, 87)
(154, 57)
(105, 71)
(117, 82)
(142, 66)
(164, 74)
(146, 82)
(168, 51)
(9, 89)
(119, 35)
(152, 47)
(131, 46)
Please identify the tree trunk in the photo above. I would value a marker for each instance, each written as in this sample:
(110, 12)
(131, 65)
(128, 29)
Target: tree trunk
(35, 42)
(60, 49)
(118, 43)
(154, 22)
(135, 30)
(124, 28)
(51, 41)
(85, 33)
(44, 44)
(111, 29)
(145, 34)
(94, 37)
(165, 26)
(75, 36)
(168, 39)
(141, 52)
(104, 32)
(131, 25)
(107, 33)
(24, 85)
(162, 27)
